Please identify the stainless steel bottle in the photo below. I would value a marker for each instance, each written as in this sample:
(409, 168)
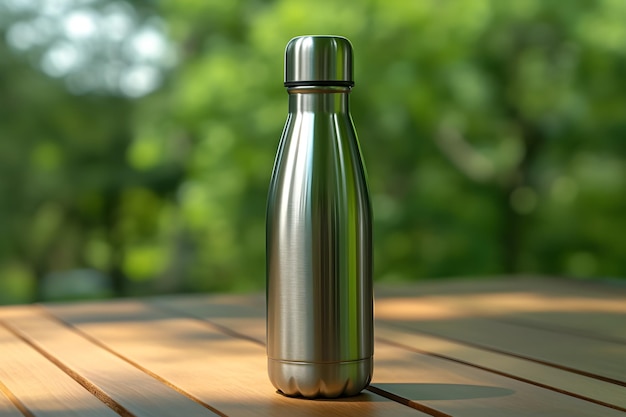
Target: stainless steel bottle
(319, 233)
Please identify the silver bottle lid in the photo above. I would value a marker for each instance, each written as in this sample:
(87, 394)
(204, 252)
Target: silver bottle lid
(318, 61)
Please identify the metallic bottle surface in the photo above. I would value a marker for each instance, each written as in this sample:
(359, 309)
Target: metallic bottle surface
(319, 233)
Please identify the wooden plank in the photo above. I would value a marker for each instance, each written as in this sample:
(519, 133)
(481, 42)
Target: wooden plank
(563, 306)
(454, 389)
(120, 385)
(227, 372)
(434, 385)
(40, 385)
(601, 359)
(590, 389)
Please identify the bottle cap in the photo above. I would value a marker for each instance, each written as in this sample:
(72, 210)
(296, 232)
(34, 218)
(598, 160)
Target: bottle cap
(318, 61)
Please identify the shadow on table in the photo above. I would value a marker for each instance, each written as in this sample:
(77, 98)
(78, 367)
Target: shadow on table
(420, 392)
(426, 392)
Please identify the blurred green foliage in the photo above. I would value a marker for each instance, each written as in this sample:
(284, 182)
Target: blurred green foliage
(493, 133)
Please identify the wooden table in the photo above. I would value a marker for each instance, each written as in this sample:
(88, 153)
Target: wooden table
(505, 348)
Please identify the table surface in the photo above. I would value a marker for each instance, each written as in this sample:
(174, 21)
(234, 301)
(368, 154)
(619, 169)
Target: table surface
(490, 347)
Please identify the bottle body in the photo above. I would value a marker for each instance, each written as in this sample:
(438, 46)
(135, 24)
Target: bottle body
(319, 252)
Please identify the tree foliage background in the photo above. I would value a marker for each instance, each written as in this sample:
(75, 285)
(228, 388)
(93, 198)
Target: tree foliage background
(137, 138)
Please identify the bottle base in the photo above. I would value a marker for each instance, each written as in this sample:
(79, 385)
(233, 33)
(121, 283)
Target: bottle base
(315, 380)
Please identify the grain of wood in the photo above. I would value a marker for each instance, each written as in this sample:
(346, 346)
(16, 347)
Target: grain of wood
(43, 388)
(227, 372)
(123, 387)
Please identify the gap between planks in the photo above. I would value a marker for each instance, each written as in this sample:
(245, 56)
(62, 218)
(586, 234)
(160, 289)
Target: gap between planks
(10, 405)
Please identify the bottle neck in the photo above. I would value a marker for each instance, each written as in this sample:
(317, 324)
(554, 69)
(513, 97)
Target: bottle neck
(319, 99)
